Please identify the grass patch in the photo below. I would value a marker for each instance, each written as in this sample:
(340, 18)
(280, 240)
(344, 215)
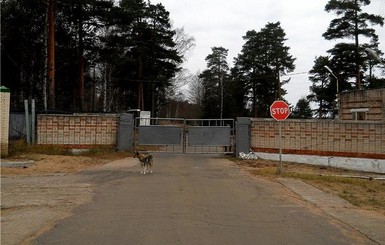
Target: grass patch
(54, 159)
(365, 193)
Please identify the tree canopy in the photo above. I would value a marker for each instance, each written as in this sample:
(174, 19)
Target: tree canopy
(112, 56)
(214, 80)
(352, 24)
(302, 110)
(348, 61)
(107, 57)
(263, 60)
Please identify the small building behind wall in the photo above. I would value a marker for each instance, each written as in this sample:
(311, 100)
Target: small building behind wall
(368, 105)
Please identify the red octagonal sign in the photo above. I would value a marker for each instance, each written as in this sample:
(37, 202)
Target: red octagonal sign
(279, 110)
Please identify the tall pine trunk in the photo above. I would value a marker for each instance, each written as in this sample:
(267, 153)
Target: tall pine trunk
(357, 51)
(80, 92)
(51, 54)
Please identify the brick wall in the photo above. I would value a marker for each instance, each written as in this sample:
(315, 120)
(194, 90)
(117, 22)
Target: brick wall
(79, 130)
(372, 100)
(320, 137)
(4, 121)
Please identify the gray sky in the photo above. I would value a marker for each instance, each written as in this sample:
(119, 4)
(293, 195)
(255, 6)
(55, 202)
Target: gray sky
(224, 23)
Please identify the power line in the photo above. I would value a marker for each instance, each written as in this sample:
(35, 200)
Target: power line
(295, 73)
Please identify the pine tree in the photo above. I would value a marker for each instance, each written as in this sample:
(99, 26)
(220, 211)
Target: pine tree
(352, 23)
(82, 21)
(106, 56)
(146, 52)
(23, 50)
(263, 60)
(214, 79)
(323, 90)
(302, 110)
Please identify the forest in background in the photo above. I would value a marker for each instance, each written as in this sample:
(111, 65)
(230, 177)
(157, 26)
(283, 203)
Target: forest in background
(115, 56)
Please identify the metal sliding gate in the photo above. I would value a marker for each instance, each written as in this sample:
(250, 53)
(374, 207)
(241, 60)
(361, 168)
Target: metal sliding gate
(179, 135)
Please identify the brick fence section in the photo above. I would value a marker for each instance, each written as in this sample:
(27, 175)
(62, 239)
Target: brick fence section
(320, 137)
(372, 100)
(4, 121)
(80, 130)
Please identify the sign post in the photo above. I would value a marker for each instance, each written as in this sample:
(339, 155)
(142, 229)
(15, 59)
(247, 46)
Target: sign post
(279, 110)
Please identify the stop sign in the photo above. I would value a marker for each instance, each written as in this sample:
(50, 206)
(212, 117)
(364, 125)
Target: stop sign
(279, 110)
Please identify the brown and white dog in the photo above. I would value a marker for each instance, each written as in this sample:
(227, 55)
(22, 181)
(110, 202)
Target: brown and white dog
(146, 161)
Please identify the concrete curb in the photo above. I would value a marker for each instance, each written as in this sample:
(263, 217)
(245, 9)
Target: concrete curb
(16, 164)
(367, 222)
(358, 164)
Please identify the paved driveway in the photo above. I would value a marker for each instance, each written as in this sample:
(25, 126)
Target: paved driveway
(193, 200)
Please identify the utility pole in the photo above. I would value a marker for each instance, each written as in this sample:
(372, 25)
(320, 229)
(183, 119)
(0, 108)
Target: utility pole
(221, 84)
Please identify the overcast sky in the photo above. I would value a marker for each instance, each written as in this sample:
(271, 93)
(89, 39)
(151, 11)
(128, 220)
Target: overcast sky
(215, 23)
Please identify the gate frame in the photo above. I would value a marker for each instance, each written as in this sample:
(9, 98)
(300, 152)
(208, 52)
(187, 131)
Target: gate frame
(184, 124)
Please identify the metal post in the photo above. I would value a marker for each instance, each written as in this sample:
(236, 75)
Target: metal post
(338, 92)
(27, 124)
(184, 136)
(280, 167)
(33, 126)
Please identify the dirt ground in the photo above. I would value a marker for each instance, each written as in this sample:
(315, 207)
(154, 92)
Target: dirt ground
(361, 189)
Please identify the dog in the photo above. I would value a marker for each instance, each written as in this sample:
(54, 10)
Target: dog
(146, 161)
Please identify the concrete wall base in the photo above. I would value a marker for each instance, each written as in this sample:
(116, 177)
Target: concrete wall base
(358, 164)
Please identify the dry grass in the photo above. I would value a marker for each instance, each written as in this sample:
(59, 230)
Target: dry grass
(49, 164)
(50, 159)
(365, 193)
(53, 159)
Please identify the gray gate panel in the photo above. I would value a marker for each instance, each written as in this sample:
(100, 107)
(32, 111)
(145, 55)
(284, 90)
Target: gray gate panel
(160, 135)
(243, 135)
(126, 132)
(209, 136)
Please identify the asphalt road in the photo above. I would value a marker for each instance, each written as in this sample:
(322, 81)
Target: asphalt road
(193, 199)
